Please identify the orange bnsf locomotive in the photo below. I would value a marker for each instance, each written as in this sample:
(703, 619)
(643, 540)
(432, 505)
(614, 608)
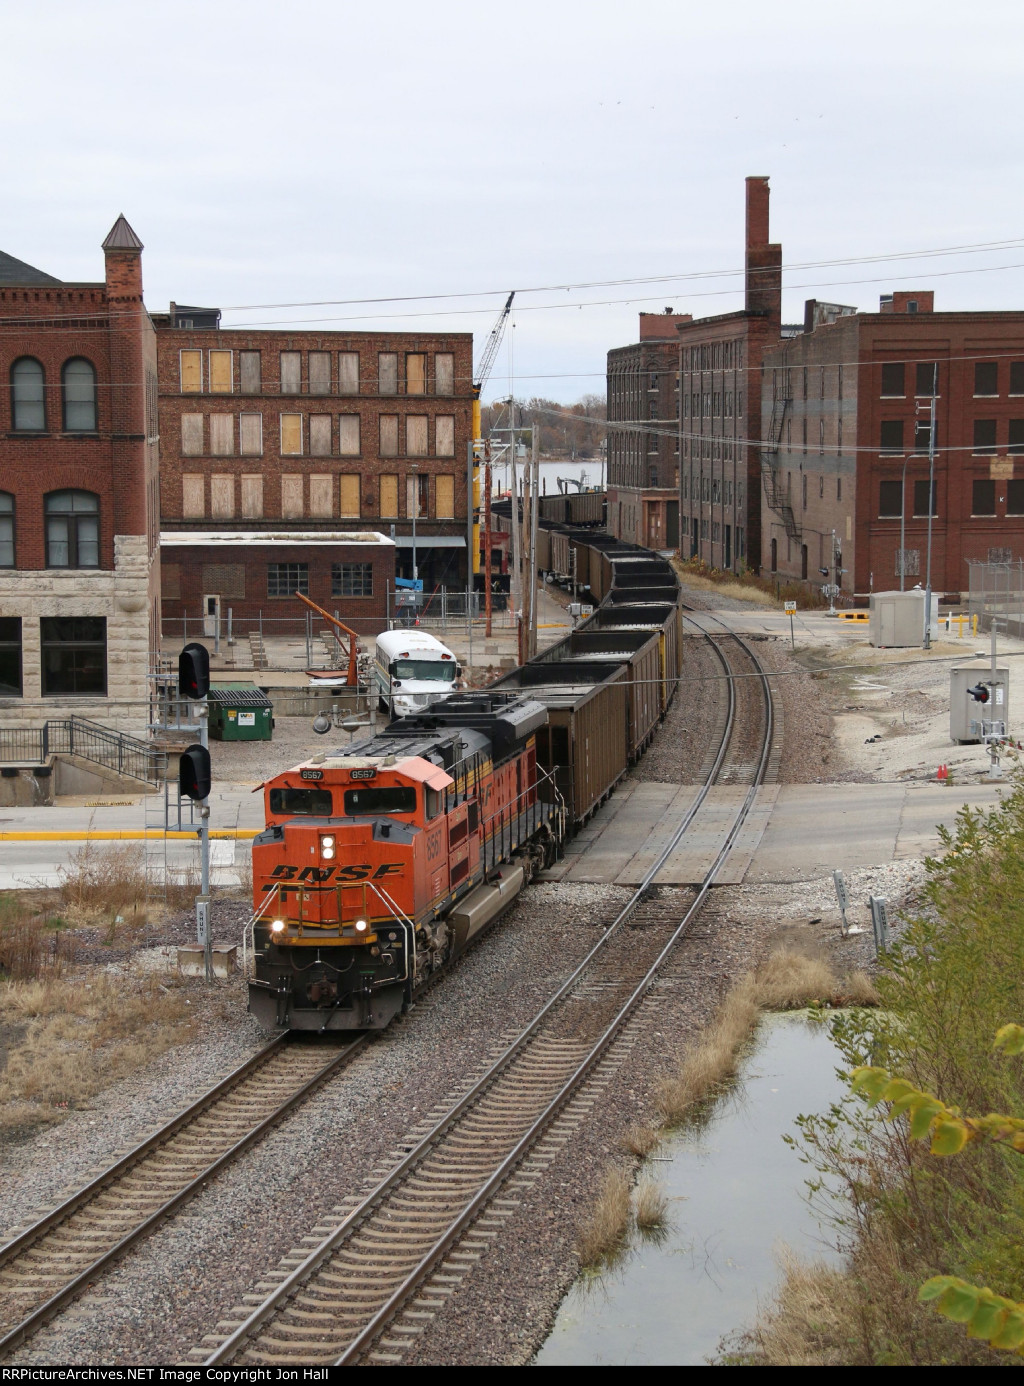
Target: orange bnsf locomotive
(380, 862)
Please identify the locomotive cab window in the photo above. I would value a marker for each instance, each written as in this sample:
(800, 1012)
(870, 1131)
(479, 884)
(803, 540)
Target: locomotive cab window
(301, 803)
(400, 799)
(434, 802)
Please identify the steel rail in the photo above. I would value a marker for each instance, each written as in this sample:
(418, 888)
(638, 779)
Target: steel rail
(108, 1179)
(357, 1216)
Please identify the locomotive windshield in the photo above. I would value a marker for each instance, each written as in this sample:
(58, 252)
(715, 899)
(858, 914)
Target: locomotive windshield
(399, 799)
(313, 803)
(444, 671)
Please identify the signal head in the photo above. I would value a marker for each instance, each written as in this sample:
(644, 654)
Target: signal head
(194, 671)
(979, 693)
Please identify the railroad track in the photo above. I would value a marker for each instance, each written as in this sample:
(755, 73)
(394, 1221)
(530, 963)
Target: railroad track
(51, 1263)
(380, 1268)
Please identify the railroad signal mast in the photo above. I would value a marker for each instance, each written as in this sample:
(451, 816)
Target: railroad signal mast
(195, 779)
(478, 449)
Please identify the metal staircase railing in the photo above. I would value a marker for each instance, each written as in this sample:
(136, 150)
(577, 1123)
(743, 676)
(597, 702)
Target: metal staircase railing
(774, 493)
(76, 736)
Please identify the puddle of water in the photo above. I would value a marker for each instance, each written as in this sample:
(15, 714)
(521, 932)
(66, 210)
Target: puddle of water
(737, 1193)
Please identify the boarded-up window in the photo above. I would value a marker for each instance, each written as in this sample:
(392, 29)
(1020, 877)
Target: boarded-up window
(291, 434)
(387, 373)
(444, 373)
(320, 435)
(319, 372)
(252, 497)
(320, 497)
(444, 497)
(220, 373)
(222, 435)
(170, 581)
(417, 496)
(291, 372)
(191, 372)
(348, 435)
(444, 435)
(389, 436)
(222, 497)
(192, 435)
(348, 373)
(251, 372)
(291, 497)
(389, 495)
(251, 433)
(416, 435)
(193, 496)
(415, 374)
(349, 504)
(226, 578)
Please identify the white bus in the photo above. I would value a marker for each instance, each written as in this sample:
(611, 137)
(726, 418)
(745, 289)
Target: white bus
(412, 670)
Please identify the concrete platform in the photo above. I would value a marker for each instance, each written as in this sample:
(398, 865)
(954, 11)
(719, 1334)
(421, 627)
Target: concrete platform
(794, 832)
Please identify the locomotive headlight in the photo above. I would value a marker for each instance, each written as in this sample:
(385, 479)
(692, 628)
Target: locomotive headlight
(277, 926)
(327, 848)
(360, 926)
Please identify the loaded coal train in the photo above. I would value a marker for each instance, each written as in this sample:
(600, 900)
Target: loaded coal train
(382, 861)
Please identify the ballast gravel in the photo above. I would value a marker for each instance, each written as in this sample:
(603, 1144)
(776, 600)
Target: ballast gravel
(168, 1293)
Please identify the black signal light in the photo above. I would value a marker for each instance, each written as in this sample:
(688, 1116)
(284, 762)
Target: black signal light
(194, 672)
(194, 778)
(979, 693)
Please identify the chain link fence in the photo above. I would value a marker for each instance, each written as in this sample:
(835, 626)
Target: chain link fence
(997, 590)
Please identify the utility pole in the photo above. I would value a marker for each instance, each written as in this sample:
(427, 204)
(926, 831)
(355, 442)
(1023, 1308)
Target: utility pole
(931, 509)
(516, 577)
(487, 539)
(532, 566)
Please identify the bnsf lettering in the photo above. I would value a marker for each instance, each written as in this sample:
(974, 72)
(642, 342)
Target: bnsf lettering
(345, 874)
(317, 873)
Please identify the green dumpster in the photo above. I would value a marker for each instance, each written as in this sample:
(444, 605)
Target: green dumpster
(240, 712)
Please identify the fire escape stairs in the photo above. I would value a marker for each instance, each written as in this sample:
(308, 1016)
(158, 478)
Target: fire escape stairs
(773, 489)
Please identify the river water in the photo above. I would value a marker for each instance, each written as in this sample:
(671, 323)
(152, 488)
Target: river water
(736, 1195)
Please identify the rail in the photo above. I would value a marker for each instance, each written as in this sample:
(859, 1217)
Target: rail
(76, 736)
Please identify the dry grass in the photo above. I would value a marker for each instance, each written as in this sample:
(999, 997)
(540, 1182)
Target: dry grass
(741, 591)
(810, 1314)
(650, 1207)
(714, 1058)
(788, 980)
(603, 1236)
(76, 1037)
(31, 942)
(640, 1139)
(106, 883)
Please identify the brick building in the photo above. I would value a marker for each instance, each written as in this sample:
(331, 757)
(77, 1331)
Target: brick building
(845, 416)
(256, 575)
(79, 580)
(317, 432)
(720, 411)
(643, 434)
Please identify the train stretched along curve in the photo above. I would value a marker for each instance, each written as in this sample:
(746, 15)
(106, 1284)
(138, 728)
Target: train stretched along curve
(381, 862)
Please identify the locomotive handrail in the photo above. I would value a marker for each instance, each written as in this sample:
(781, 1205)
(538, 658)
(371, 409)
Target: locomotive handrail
(406, 923)
(249, 931)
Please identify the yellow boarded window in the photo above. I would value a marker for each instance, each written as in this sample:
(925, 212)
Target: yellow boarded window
(444, 497)
(191, 372)
(415, 374)
(222, 435)
(349, 508)
(389, 495)
(291, 434)
(220, 372)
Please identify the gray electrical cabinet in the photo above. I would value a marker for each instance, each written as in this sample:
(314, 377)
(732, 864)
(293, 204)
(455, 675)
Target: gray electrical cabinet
(896, 619)
(970, 720)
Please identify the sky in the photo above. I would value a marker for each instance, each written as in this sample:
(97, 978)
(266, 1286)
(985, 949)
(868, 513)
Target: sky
(282, 160)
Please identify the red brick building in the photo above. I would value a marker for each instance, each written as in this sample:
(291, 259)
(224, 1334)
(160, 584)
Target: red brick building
(317, 432)
(643, 434)
(79, 580)
(845, 416)
(720, 411)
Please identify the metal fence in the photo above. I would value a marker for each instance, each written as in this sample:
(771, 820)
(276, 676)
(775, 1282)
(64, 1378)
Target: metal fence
(76, 736)
(997, 590)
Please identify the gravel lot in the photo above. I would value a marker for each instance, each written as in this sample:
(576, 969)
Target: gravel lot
(170, 1292)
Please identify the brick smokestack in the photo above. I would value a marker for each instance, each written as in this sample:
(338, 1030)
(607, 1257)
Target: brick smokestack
(122, 251)
(763, 260)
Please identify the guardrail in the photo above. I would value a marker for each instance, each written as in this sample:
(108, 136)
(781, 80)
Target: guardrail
(77, 736)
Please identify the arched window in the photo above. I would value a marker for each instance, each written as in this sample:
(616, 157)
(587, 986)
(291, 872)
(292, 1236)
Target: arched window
(28, 404)
(6, 530)
(72, 529)
(78, 387)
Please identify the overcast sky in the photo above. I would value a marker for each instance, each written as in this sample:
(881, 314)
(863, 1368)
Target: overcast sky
(290, 153)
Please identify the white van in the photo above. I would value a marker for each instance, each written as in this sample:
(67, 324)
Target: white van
(412, 670)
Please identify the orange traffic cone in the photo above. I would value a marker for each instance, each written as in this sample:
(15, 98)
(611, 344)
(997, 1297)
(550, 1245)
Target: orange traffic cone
(942, 773)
